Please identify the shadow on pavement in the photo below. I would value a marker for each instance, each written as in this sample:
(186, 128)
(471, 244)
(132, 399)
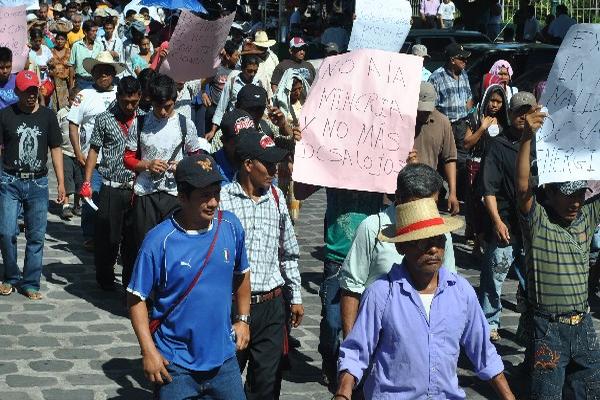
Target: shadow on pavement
(123, 371)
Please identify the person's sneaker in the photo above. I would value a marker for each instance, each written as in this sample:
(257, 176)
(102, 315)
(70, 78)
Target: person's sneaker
(495, 336)
(66, 213)
(77, 211)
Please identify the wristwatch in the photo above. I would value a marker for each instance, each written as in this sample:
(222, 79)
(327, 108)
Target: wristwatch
(243, 318)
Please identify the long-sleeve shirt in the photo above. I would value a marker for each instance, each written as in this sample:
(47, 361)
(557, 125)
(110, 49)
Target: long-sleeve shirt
(429, 7)
(413, 356)
(273, 251)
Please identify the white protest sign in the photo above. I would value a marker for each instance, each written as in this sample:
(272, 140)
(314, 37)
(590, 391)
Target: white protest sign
(381, 24)
(17, 3)
(195, 46)
(568, 144)
(358, 122)
(13, 34)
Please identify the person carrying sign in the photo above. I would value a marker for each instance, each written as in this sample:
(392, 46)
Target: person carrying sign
(192, 262)
(558, 226)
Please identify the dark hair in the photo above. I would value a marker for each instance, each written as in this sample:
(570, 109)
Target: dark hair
(230, 47)
(502, 114)
(5, 54)
(108, 21)
(163, 88)
(71, 4)
(144, 9)
(36, 33)
(128, 86)
(250, 59)
(88, 25)
(60, 33)
(146, 77)
(129, 13)
(45, 5)
(418, 180)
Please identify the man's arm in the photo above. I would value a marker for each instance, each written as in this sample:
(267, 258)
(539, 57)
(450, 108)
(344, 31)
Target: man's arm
(533, 122)
(57, 163)
(289, 265)
(349, 303)
(153, 362)
(501, 387)
(450, 172)
(74, 136)
(90, 164)
(241, 292)
(347, 381)
(303, 191)
(500, 227)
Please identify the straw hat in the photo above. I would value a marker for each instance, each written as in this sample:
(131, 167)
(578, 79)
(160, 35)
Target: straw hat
(104, 58)
(262, 40)
(416, 220)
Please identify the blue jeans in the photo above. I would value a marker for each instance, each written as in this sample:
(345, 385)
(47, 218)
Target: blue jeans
(554, 346)
(88, 215)
(331, 319)
(223, 383)
(32, 196)
(497, 262)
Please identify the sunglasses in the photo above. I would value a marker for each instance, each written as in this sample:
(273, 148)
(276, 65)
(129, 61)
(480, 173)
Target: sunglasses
(426, 244)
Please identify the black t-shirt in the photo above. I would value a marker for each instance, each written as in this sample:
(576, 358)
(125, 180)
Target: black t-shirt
(25, 138)
(306, 69)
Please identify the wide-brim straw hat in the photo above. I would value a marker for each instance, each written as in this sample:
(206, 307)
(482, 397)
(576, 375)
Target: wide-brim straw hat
(416, 220)
(104, 58)
(261, 39)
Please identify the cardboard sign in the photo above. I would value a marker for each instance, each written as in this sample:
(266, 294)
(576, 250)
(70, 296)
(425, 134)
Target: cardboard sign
(568, 144)
(13, 34)
(195, 46)
(382, 24)
(358, 122)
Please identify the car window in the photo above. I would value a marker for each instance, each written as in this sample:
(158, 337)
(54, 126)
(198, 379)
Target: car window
(435, 46)
(406, 47)
(471, 39)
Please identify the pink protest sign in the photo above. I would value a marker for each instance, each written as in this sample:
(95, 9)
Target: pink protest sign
(195, 46)
(13, 34)
(358, 122)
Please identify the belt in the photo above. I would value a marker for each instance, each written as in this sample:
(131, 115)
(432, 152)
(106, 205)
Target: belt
(117, 185)
(574, 318)
(267, 296)
(26, 175)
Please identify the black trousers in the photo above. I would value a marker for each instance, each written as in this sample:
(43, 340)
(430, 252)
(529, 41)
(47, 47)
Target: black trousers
(110, 232)
(147, 212)
(263, 354)
(459, 128)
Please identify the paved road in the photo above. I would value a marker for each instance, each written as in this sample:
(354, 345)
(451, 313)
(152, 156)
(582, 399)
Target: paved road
(78, 344)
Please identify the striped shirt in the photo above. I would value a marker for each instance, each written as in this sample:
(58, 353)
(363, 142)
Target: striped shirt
(110, 138)
(452, 94)
(267, 229)
(558, 259)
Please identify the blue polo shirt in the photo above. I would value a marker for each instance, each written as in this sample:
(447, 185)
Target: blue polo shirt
(225, 168)
(7, 93)
(198, 334)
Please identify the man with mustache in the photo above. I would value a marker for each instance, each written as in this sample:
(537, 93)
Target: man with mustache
(414, 320)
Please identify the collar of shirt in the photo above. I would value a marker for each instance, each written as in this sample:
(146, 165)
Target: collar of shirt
(237, 190)
(400, 274)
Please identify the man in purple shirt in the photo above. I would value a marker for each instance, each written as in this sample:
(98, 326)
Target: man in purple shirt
(428, 11)
(413, 321)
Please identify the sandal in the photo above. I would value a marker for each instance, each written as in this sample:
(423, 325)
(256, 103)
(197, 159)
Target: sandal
(32, 294)
(6, 289)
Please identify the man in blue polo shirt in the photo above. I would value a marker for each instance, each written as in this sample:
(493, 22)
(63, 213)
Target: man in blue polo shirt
(192, 262)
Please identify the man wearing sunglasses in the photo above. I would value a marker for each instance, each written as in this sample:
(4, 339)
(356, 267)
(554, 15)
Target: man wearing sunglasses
(414, 320)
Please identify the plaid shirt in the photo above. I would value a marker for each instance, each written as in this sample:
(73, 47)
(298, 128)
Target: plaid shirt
(109, 138)
(452, 94)
(264, 235)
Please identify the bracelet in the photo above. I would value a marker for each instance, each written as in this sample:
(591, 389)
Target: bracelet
(340, 395)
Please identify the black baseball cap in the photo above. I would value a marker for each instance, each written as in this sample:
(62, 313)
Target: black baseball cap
(255, 145)
(251, 96)
(456, 50)
(235, 121)
(198, 171)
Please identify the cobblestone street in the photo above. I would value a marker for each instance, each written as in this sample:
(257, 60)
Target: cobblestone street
(77, 342)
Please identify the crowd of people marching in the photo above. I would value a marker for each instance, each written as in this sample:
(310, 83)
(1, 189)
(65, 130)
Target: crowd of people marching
(188, 185)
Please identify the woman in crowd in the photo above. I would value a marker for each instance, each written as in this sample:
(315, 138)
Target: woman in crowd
(503, 69)
(142, 61)
(39, 54)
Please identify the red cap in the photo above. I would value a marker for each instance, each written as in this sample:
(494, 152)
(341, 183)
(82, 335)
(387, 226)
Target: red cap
(297, 43)
(26, 79)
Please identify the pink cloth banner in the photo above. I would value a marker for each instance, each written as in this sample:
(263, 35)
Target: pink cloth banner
(358, 122)
(195, 46)
(13, 34)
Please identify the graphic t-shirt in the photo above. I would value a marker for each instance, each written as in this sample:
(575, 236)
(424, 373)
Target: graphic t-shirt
(7, 92)
(304, 68)
(162, 139)
(88, 104)
(27, 137)
(446, 11)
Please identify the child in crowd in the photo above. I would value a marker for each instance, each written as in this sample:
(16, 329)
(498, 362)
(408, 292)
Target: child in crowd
(73, 172)
(445, 13)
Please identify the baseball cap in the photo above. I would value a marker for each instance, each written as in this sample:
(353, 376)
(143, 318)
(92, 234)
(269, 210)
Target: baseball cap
(255, 145)
(456, 50)
(235, 121)
(297, 43)
(568, 188)
(198, 171)
(419, 50)
(427, 97)
(332, 48)
(100, 12)
(26, 79)
(522, 99)
(251, 96)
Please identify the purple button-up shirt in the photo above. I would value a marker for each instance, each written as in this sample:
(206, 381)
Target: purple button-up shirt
(430, 7)
(414, 357)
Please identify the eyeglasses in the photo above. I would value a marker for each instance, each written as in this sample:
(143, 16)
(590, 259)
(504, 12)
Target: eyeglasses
(426, 244)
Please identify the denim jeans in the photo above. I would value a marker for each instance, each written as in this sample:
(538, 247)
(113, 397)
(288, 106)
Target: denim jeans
(497, 261)
(331, 319)
(88, 215)
(554, 346)
(32, 196)
(222, 383)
